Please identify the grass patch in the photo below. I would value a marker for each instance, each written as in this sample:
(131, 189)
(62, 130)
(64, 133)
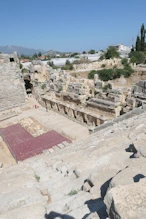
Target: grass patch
(73, 192)
(37, 178)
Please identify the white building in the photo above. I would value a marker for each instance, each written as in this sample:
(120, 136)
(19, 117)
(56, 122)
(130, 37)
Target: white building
(121, 48)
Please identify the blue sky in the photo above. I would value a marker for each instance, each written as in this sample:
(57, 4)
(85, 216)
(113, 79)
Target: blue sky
(70, 25)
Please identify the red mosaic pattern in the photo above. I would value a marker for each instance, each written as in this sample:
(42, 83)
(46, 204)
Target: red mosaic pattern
(23, 145)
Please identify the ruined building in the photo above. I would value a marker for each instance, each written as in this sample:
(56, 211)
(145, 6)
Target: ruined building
(12, 91)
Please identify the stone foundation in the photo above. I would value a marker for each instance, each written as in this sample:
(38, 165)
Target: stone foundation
(73, 113)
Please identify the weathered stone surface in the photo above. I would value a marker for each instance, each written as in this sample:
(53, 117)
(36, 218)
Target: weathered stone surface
(127, 202)
(12, 91)
(19, 198)
(35, 211)
(131, 174)
(86, 187)
(93, 216)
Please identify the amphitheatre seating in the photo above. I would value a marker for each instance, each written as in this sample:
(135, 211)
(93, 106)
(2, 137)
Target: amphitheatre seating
(77, 181)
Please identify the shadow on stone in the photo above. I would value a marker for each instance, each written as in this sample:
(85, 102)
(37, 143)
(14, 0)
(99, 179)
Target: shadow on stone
(98, 206)
(55, 215)
(131, 149)
(138, 177)
(104, 188)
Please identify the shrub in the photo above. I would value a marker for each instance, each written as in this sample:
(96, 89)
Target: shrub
(92, 51)
(51, 63)
(67, 67)
(37, 178)
(73, 192)
(75, 75)
(105, 88)
(43, 86)
(110, 74)
(21, 66)
(111, 53)
(67, 62)
(103, 66)
(137, 57)
(74, 54)
(124, 61)
(24, 70)
(91, 74)
(127, 71)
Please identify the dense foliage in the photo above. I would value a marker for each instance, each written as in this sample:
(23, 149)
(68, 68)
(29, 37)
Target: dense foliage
(92, 51)
(137, 57)
(137, 54)
(68, 66)
(111, 52)
(140, 41)
(110, 74)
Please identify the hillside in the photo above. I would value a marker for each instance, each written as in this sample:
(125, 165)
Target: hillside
(9, 49)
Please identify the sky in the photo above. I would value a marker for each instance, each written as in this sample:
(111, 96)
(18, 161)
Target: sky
(70, 25)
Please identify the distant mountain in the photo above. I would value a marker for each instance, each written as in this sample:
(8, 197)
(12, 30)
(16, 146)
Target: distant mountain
(20, 50)
(52, 53)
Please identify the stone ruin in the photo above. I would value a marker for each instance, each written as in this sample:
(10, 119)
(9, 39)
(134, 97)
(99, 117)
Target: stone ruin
(12, 91)
(88, 102)
(103, 176)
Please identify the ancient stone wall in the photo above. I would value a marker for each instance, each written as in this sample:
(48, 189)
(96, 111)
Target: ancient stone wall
(98, 64)
(12, 91)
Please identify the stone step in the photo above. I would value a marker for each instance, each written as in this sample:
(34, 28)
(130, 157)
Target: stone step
(16, 177)
(34, 211)
(70, 203)
(19, 198)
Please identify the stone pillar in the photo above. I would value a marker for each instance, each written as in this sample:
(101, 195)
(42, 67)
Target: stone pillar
(79, 116)
(48, 104)
(61, 109)
(70, 113)
(96, 78)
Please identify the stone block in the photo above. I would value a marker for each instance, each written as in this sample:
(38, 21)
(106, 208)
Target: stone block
(61, 146)
(51, 150)
(65, 143)
(35, 211)
(55, 148)
(86, 187)
(127, 201)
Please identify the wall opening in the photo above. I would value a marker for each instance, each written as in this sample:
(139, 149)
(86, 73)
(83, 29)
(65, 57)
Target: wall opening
(11, 59)
(28, 84)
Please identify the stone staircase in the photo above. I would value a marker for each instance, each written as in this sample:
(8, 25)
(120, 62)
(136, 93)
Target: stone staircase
(69, 181)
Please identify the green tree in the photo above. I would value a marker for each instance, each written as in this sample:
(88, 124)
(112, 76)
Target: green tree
(138, 44)
(92, 51)
(51, 63)
(132, 49)
(35, 56)
(74, 54)
(67, 62)
(39, 54)
(142, 32)
(111, 53)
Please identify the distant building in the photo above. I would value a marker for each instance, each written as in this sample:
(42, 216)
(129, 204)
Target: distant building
(42, 57)
(121, 48)
(24, 60)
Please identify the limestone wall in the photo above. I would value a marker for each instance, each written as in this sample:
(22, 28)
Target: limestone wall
(123, 82)
(12, 91)
(98, 64)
